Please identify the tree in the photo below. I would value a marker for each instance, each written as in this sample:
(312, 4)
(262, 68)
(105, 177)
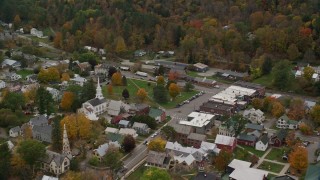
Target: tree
(155, 173)
(305, 129)
(30, 95)
(19, 167)
(125, 94)
(65, 77)
(67, 100)
(173, 75)
(77, 125)
(277, 109)
(56, 135)
(308, 72)
(44, 101)
(174, 90)
(257, 103)
(160, 94)
(293, 52)
(31, 151)
(124, 81)
(49, 75)
(116, 79)
(128, 143)
(157, 144)
(120, 45)
(112, 159)
(111, 71)
(296, 109)
(88, 91)
(222, 160)
(291, 139)
(298, 158)
(5, 156)
(14, 101)
(169, 132)
(161, 70)
(315, 114)
(17, 21)
(57, 41)
(142, 94)
(188, 87)
(110, 89)
(238, 122)
(282, 76)
(266, 66)
(160, 81)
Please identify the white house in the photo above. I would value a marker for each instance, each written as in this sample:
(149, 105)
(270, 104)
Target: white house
(101, 151)
(100, 69)
(241, 170)
(15, 131)
(79, 80)
(285, 123)
(11, 63)
(128, 131)
(226, 131)
(111, 130)
(255, 116)
(2, 84)
(36, 33)
(298, 74)
(54, 92)
(262, 143)
(315, 77)
(13, 76)
(141, 128)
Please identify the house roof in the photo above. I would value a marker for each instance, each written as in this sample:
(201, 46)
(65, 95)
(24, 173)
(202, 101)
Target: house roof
(224, 140)
(39, 120)
(313, 172)
(253, 111)
(15, 129)
(236, 163)
(242, 171)
(200, 66)
(155, 112)
(128, 131)
(138, 107)
(284, 117)
(207, 146)
(249, 85)
(43, 130)
(49, 178)
(111, 130)
(156, 157)
(9, 62)
(282, 133)
(124, 122)
(315, 75)
(96, 101)
(102, 149)
(264, 139)
(255, 133)
(139, 125)
(115, 137)
(114, 107)
(247, 137)
(254, 126)
(196, 136)
(181, 129)
(53, 156)
(292, 122)
(310, 104)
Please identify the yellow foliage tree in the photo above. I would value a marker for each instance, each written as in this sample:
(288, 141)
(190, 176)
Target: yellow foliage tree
(315, 113)
(17, 21)
(308, 72)
(65, 77)
(67, 100)
(17, 163)
(57, 41)
(27, 132)
(298, 158)
(277, 109)
(49, 75)
(30, 95)
(116, 79)
(158, 144)
(77, 125)
(120, 45)
(160, 80)
(142, 94)
(174, 90)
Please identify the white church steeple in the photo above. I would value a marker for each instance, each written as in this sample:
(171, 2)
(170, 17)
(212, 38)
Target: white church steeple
(99, 94)
(65, 143)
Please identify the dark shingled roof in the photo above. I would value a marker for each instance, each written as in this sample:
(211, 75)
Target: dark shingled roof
(282, 133)
(254, 126)
(96, 101)
(246, 137)
(264, 139)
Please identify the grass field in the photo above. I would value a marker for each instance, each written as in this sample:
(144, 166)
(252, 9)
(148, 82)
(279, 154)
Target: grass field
(269, 166)
(276, 154)
(24, 72)
(136, 175)
(133, 86)
(253, 150)
(265, 80)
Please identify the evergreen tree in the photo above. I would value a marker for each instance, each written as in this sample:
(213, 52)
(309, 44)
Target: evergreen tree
(44, 101)
(56, 135)
(282, 75)
(124, 81)
(88, 91)
(5, 157)
(266, 66)
(160, 94)
(125, 94)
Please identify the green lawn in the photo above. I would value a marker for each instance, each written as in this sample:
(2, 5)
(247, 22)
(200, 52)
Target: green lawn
(276, 154)
(270, 176)
(253, 150)
(24, 72)
(265, 80)
(269, 166)
(136, 175)
(241, 154)
(133, 86)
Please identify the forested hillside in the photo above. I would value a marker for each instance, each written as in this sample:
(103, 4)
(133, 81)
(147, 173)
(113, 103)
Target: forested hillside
(240, 31)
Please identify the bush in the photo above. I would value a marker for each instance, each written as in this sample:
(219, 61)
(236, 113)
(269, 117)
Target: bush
(94, 161)
(305, 129)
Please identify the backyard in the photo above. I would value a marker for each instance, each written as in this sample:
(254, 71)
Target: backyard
(136, 175)
(269, 166)
(253, 150)
(133, 86)
(276, 154)
(24, 72)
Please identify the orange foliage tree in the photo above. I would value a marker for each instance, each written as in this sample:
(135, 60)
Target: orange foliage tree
(116, 79)
(67, 100)
(277, 109)
(110, 89)
(142, 94)
(298, 158)
(296, 109)
(174, 90)
(305, 129)
(173, 75)
(65, 77)
(222, 160)
(257, 103)
(160, 80)
(57, 41)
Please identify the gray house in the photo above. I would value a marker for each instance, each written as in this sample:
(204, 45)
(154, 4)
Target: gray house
(124, 124)
(42, 133)
(141, 128)
(40, 120)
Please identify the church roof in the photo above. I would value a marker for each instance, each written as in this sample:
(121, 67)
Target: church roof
(96, 101)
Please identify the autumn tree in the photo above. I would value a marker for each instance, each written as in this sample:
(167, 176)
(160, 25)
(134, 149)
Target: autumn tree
(112, 159)
(120, 45)
(257, 103)
(298, 158)
(49, 75)
(293, 52)
(65, 77)
(305, 129)
(110, 89)
(291, 139)
(30, 95)
(277, 109)
(155, 173)
(222, 160)
(57, 41)
(308, 72)
(296, 109)
(160, 80)
(174, 90)
(157, 144)
(128, 143)
(173, 75)
(125, 94)
(77, 125)
(19, 167)
(142, 94)
(315, 114)
(67, 100)
(116, 79)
